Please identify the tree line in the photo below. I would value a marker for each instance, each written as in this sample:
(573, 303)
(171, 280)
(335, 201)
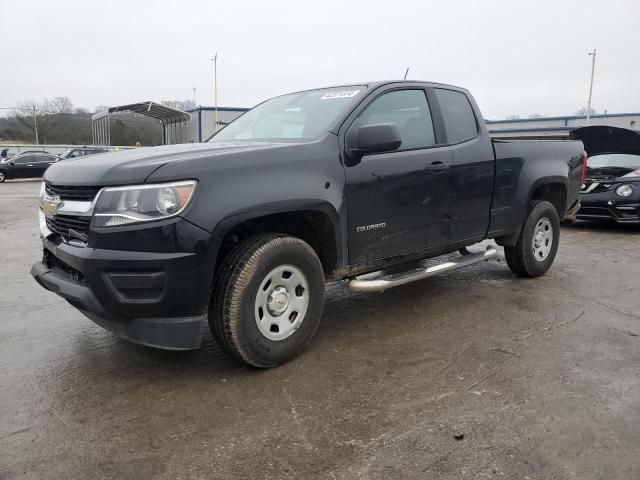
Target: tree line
(57, 121)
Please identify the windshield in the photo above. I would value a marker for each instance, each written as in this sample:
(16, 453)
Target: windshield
(619, 160)
(292, 117)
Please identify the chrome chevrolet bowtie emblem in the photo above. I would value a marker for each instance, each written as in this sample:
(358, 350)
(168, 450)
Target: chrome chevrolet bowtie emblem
(50, 205)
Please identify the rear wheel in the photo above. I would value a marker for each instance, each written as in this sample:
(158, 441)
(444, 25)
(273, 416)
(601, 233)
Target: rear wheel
(537, 243)
(267, 300)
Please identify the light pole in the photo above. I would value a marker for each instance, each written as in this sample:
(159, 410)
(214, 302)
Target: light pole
(35, 124)
(215, 89)
(194, 97)
(593, 68)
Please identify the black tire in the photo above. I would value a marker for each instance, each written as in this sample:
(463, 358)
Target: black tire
(234, 309)
(3, 176)
(521, 257)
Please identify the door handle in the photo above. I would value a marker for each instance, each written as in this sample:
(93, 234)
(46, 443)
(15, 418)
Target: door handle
(437, 166)
(29, 164)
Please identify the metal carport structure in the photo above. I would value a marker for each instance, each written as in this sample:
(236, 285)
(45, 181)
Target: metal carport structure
(172, 121)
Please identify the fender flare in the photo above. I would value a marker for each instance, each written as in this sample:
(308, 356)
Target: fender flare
(232, 220)
(512, 239)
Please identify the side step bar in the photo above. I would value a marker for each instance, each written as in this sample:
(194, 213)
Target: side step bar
(379, 282)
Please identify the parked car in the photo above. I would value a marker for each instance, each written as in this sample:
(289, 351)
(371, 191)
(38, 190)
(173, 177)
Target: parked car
(307, 188)
(611, 191)
(12, 157)
(27, 165)
(83, 151)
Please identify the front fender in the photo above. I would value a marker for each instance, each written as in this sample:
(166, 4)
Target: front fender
(234, 219)
(241, 186)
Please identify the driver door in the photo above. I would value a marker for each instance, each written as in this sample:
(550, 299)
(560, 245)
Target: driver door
(399, 201)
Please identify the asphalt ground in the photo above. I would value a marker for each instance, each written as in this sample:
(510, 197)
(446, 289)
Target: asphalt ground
(537, 379)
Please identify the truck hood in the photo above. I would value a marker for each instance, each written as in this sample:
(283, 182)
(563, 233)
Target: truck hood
(135, 165)
(599, 140)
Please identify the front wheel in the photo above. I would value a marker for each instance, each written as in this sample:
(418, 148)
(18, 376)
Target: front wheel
(267, 300)
(3, 176)
(537, 243)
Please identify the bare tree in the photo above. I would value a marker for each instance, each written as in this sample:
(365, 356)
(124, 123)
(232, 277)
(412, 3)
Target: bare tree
(41, 118)
(513, 116)
(59, 105)
(30, 114)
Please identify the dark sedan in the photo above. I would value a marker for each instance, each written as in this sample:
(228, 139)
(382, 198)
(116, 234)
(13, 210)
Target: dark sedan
(611, 191)
(83, 152)
(27, 165)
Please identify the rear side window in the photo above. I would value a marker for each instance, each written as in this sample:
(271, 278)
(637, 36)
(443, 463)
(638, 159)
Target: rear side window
(409, 111)
(459, 120)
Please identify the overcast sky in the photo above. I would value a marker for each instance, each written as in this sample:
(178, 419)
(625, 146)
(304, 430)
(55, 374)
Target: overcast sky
(515, 59)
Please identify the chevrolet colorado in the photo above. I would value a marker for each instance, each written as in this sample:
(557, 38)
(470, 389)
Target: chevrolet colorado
(307, 188)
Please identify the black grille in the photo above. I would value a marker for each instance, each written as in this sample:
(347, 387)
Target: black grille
(602, 187)
(65, 192)
(61, 224)
(52, 261)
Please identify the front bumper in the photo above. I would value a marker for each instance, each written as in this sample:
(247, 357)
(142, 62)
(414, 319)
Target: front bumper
(156, 298)
(609, 207)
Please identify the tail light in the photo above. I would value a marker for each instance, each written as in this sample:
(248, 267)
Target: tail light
(584, 167)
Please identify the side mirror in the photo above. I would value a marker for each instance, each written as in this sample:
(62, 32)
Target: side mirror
(377, 138)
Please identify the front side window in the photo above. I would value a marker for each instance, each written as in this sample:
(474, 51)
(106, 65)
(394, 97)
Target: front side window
(459, 120)
(297, 116)
(24, 160)
(406, 109)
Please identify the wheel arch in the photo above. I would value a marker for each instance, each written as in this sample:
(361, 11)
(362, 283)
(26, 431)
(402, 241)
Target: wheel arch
(552, 189)
(317, 223)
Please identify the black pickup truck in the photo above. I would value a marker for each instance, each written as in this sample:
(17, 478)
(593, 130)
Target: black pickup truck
(307, 188)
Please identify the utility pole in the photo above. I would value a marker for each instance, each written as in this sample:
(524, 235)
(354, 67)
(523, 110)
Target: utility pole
(215, 89)
(35, 123)
(194, 96)
(593, 68)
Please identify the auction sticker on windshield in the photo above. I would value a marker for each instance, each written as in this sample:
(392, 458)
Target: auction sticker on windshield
(340, 94)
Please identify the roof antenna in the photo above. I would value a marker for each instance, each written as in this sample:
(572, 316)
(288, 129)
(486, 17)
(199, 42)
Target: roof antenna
(406, 73)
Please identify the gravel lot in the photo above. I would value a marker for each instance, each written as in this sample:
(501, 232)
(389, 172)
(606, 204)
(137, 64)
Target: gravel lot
(542, 377)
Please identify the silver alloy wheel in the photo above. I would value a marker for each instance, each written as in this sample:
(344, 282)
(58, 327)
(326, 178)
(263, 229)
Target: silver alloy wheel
(1, 176)
(542, 239)
(281, 302)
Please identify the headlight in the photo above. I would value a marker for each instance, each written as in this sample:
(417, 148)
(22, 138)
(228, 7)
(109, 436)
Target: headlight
(117, 206)
(624, 190)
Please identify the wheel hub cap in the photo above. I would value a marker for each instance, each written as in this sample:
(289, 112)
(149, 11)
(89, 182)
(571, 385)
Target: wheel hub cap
(278, 300)
(542, 239)
(281, 302)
